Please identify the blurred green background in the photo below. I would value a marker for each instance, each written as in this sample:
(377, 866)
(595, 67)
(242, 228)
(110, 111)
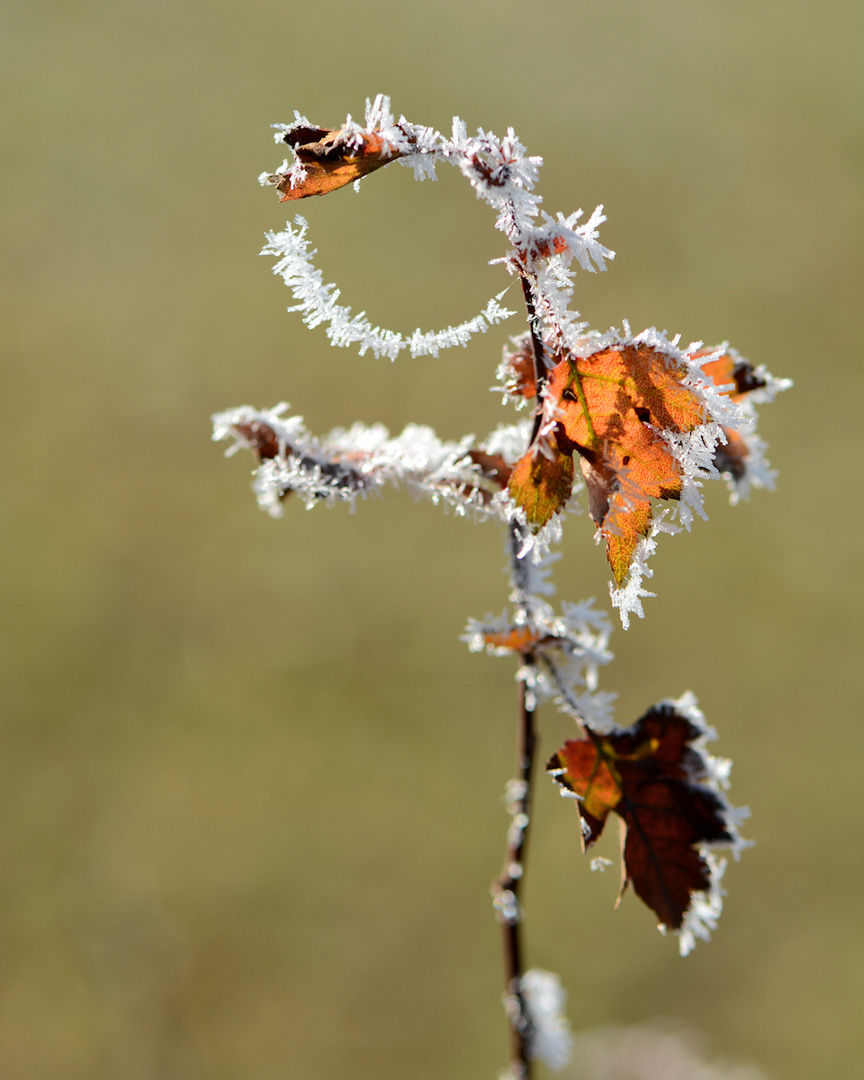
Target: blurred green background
(250, 778)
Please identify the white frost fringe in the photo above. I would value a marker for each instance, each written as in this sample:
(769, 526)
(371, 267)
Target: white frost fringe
(705, 907)
(545, 998)
(317, 303)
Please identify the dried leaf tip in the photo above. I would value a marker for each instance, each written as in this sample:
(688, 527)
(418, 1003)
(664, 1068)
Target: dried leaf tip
(326, 159)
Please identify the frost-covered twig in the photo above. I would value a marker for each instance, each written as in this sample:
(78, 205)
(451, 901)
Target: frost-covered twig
(506, 889)
(467, 476)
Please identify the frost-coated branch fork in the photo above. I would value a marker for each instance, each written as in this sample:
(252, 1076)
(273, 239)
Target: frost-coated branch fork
(635, 421)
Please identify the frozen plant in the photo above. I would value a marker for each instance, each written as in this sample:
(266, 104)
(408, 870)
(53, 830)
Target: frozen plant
(635, 422)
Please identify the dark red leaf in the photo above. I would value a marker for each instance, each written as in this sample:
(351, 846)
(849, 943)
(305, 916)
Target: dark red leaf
(659, 784)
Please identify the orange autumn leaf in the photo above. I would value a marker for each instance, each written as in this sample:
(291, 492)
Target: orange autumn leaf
(610, 408)
(731, 457)
(606, 402)
(557, 245)
(730, 370)
(516, 639)
(541, 481)
(655, 780)
(623, 517)
(330, 160)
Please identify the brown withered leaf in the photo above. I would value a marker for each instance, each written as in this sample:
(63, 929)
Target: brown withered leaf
(654, 779)
(259, 437)
(331, 160)
(341, 470)
(731, 457)
(493, 466)
(520, 380)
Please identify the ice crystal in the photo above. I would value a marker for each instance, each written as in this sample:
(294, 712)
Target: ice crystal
(545, 998)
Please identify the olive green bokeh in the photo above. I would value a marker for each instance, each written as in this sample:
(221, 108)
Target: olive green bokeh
(251, 779)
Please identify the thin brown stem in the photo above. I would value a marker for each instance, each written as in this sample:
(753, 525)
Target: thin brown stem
(506, 888)
(537, 349)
